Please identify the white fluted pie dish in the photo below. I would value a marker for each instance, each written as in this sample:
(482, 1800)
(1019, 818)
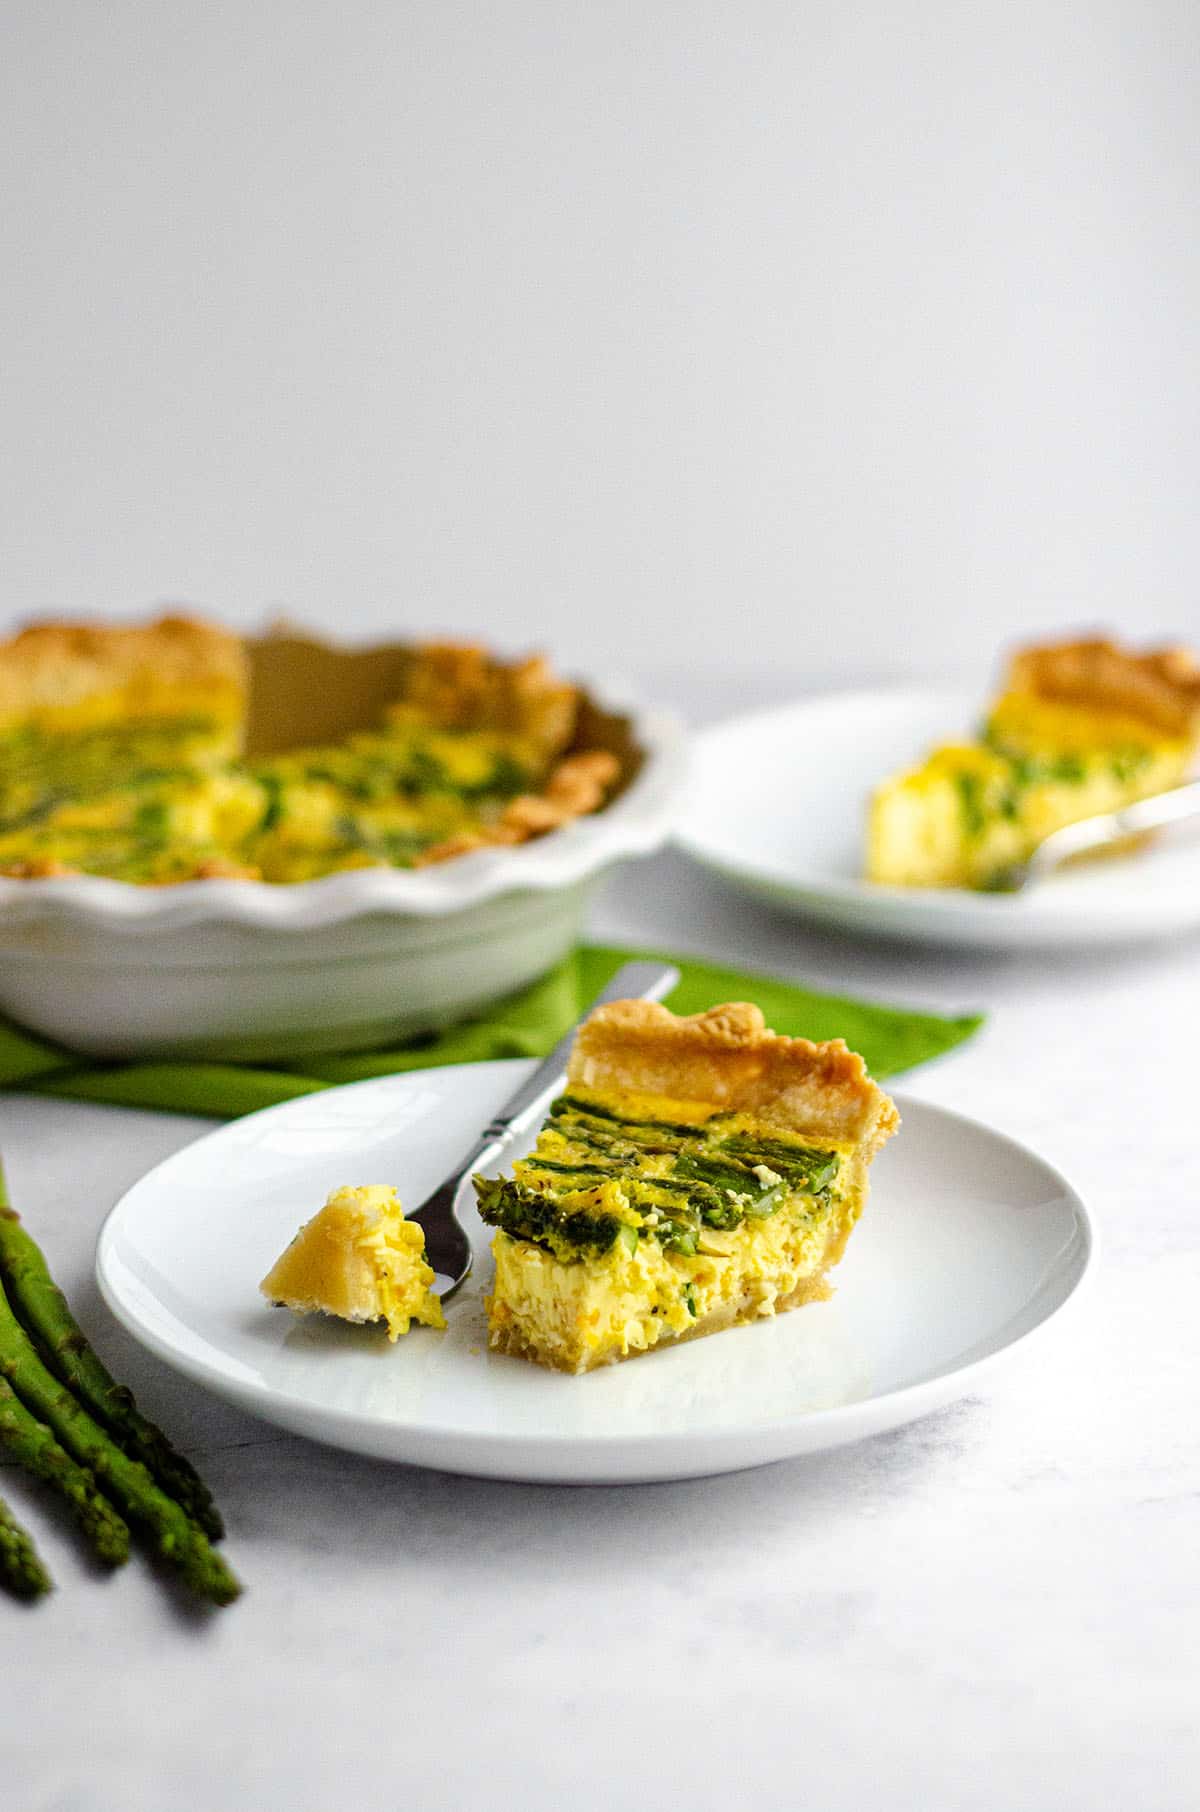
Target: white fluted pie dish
(240, 968)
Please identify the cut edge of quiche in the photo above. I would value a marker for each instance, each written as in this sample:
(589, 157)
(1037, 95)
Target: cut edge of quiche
(723, 1170)
(1079, 728)
(69, 676)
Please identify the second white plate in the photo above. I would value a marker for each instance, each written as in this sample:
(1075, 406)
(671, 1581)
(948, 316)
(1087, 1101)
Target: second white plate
(778, 807)
(969, 1243)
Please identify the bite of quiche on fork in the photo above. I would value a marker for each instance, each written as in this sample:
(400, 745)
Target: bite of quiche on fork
(697, 1172)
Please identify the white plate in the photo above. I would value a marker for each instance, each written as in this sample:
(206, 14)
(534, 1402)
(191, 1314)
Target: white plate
(778, 806)
(968, 1244)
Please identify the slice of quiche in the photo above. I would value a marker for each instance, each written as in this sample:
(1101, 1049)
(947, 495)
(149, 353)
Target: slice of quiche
(359, 1260)
(697, 1172)
(1078, 729)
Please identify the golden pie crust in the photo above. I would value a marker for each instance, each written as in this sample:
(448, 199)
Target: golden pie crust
(460, 686)
(1160, 687)
(55, 666)
(727, 1057)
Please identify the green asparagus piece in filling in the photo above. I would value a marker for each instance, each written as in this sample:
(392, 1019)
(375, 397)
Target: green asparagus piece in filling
(675, 1180)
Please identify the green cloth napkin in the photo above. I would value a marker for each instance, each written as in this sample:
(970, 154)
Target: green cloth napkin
(525, 1025)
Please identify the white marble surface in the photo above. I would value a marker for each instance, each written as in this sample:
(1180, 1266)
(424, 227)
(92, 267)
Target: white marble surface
(994, 1609)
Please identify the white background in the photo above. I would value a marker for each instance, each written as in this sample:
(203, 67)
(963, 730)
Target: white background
(867, 328)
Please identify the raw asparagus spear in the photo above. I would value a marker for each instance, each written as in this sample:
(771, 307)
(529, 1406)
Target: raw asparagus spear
(172, 1534)
(64, 1345)
(34, 1447)
(21, 1571)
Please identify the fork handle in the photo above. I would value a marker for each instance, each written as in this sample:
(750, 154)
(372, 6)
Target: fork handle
(633, 981)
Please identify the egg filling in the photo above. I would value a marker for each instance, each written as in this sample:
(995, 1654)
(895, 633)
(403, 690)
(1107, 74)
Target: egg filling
(642, 1219)
(137, 809)
(973, 812)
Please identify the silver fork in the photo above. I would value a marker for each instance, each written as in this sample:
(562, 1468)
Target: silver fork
(1093, 834)
(447, 1247)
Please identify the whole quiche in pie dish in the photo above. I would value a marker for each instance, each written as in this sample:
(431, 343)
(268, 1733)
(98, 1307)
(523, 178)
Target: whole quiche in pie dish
(140, 754)
(270, 846)
(1078, 728)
